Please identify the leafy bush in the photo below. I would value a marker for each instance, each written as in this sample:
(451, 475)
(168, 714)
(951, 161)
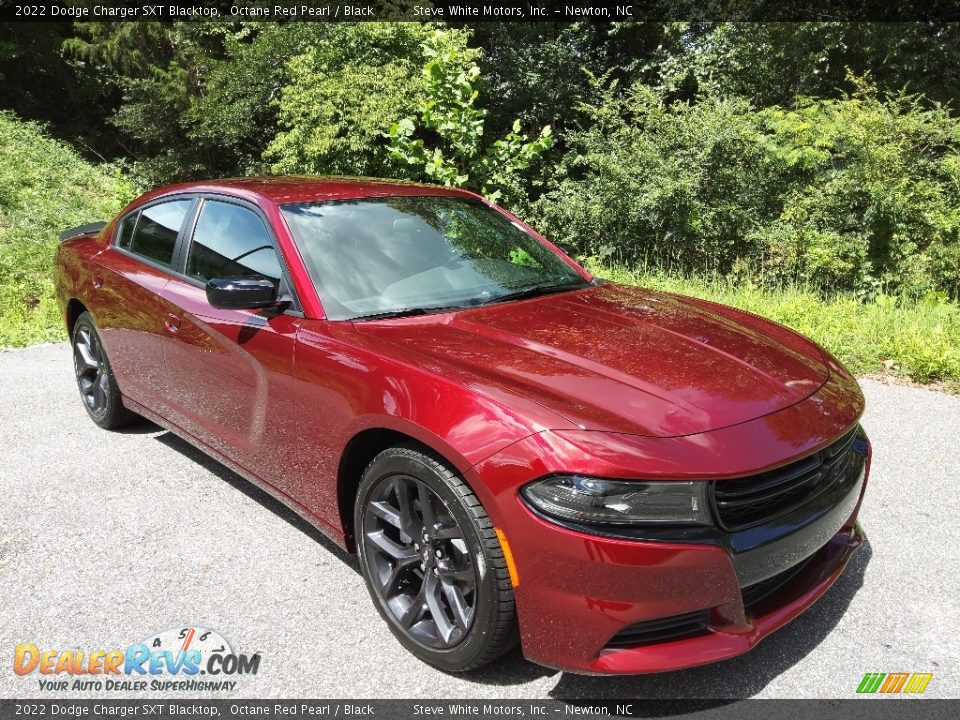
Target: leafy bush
(45, 187)
(450, 113)
(857, 194)
(772, 63)
(342, 94)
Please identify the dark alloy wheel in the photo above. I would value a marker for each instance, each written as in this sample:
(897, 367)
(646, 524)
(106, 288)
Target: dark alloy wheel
(432, 561)
(416, 553)
(98, 389)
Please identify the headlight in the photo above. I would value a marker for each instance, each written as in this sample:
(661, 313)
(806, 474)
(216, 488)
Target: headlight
(620, 502)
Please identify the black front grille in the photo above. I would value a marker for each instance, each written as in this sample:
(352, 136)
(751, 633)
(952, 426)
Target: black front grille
(668, 628)
(745, 502)
(753, 594)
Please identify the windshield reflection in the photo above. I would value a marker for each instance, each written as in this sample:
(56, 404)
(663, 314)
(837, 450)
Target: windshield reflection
(385, 257)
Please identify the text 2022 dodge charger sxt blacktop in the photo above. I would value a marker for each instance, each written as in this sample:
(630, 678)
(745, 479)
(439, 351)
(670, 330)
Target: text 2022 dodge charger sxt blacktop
(623, 480)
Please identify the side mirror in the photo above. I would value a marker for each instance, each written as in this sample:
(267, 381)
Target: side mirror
(242, 293)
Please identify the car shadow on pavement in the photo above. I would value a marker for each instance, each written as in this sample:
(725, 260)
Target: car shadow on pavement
(741, 677)
(256, 494)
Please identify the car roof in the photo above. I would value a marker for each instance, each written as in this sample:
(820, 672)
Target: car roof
(301, 188)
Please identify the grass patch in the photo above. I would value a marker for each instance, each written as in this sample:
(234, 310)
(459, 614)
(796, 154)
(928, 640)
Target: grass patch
(45, 188)
(918, 340)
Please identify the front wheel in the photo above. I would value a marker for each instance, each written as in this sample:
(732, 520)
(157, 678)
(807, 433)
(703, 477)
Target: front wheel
(432, 561)
(98, 388)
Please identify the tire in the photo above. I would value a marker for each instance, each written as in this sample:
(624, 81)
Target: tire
(98, 388)
(445, 593)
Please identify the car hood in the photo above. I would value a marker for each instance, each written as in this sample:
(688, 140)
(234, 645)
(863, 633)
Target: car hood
(618, 358)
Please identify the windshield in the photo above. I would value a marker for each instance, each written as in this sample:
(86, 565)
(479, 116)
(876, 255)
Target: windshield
(403, 255)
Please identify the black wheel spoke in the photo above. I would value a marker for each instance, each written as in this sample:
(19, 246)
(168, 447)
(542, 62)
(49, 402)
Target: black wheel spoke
(448, 533)
(408, 518)
(103, 385)
(394, 550)
(84, 359)
(464, 577)
(414, 610)
(426, 496)
(462, 612)
(417, 560)
(383, 510)
(93, 345)
(399, 569)
(434, 593)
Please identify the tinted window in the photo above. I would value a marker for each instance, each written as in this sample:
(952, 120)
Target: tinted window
(231, 241)
(395, 254)
(156, 233)
(126, 231)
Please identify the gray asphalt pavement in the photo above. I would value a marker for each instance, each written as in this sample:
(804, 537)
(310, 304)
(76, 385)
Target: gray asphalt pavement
(108, 538)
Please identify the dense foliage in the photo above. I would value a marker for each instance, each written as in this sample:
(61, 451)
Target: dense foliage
(773, 63)
(343, 93)
(860, 193)
(45, 187)
(462, 156)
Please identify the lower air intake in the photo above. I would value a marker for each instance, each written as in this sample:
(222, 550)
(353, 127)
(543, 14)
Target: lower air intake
(662, 630)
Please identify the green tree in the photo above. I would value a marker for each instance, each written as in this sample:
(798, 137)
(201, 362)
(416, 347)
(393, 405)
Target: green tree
(459, 156)
(161, 70)
(342, 93)
(540, 72)
(773, 63)
(198, 99)
(39, 83)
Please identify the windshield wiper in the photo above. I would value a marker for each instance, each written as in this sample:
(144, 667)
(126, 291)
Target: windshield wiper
(407, 312)
(535, 291)
(517, 295)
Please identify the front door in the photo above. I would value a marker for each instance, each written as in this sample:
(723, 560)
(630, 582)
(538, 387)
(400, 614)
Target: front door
(229, 372)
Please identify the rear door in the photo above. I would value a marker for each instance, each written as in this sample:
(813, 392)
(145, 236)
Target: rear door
(230, 371)
(133, 270)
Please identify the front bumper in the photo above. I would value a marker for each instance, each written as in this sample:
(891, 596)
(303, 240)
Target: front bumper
(727, 637)
(578, 591)
(574, 601)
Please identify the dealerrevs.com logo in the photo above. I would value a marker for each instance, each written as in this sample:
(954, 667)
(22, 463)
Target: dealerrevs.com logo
(191, 659)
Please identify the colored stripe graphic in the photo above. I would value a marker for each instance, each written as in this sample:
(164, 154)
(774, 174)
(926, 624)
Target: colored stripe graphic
(871, 682)
(918, 682)
(893, 683)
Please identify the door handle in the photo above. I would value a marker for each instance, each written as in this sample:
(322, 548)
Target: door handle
(97, 281)
(172, 323)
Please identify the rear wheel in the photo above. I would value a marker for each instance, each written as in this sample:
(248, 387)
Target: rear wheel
(432, 561)
(98, 388)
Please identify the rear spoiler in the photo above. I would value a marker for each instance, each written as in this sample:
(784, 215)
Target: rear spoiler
(81, 230)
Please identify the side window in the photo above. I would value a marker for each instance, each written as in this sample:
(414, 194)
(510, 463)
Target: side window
(231, 241)
(126, 230)
(156, 232)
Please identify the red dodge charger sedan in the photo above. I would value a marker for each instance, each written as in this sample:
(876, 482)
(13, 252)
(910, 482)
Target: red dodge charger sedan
(622, 480)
